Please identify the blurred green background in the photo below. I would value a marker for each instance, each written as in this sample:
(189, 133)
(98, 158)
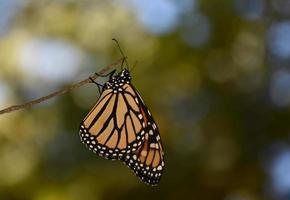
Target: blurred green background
(215, 74)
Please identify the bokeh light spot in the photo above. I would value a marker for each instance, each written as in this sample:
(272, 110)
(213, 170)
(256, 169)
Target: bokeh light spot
(279, 171)
(196, 30)
(250, 9)
(282, 6)
(52, 60)
(8, 9)
(279, 39)
(160, 16)
(280, 88)
(4, 93)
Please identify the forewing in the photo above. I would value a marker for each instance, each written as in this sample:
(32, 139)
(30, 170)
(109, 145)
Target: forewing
(115, 126)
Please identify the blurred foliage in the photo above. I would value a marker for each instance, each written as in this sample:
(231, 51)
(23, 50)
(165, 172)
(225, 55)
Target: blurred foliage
(218, 92)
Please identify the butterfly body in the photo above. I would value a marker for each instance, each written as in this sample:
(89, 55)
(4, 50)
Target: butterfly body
(121, 127)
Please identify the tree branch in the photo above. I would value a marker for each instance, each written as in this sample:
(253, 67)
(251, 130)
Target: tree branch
(59, 92)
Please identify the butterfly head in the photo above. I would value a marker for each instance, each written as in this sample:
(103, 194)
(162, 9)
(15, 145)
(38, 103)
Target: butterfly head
(119, 80)
(125, 73)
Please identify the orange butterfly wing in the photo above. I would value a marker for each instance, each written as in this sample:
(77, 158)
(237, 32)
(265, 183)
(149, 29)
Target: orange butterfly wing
(147, 162)
(114, 126)
(121, 127)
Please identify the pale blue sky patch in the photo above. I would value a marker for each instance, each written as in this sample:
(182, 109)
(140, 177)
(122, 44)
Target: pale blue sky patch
(8, 9)
(48, 64)
(160, 16)
(280, 88)
(196, 30)
(280, 173)
(51, 60)
(4, 93)
(279, 39)
(250, 9)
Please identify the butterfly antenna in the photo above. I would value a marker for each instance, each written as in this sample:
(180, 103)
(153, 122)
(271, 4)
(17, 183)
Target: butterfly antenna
(120, 49)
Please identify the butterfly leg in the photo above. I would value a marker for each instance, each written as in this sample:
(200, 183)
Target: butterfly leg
(109, 74)
(98, 84)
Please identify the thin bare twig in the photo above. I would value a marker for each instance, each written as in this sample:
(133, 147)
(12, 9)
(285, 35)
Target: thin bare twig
(59, 92)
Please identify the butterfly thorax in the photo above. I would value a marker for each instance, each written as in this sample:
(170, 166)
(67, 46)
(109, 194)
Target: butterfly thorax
(116, 82)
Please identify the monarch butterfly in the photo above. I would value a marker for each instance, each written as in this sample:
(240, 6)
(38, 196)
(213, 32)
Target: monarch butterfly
(121, 127)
